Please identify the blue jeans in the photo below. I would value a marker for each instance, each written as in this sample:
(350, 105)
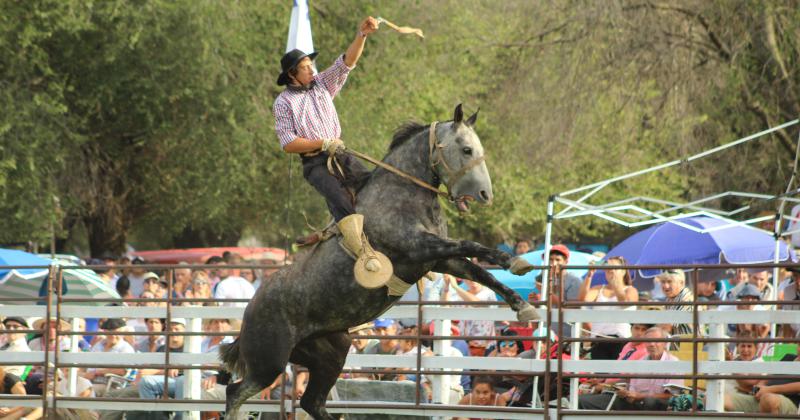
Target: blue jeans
(152, 387)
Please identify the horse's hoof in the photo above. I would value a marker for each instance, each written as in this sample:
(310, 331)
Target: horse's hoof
(527, 314)
(519, 266)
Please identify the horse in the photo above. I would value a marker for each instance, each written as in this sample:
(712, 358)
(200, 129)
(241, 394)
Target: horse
(302, 315)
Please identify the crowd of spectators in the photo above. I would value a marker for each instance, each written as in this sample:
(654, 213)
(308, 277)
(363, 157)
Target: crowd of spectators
(205, 287)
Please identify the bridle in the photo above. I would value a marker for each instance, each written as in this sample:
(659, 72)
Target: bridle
(436, 157)
(434, 148)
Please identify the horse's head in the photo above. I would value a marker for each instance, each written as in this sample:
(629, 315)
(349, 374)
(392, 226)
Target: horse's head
(457, 157)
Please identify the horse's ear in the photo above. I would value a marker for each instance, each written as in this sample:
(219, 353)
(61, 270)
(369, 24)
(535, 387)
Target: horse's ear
(471, 120)
(458, 115)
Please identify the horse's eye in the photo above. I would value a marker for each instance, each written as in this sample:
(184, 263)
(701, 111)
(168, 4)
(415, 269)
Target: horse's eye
(467, 151)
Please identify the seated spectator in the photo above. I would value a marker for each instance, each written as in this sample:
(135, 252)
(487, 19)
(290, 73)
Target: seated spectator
(673, 284)
(745, 352)
(112, 343)
(123, 287)
(791, 292)
(10, 384)
(155, 285)
(759, 279)
(386, 327)
(201, 289)
(151, 385)
(151, 343)
(16, 342)
(63, 340)
(483, 394)
(631, 351)
(182, 279)
(522, 246)
(234, 287)
(619, 289)
(749, 293)
(641, 394)
(774, 396)
(509, 347)
(711, 290)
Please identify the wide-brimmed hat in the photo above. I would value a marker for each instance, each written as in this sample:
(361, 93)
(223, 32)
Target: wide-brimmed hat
(289, 61)
(39, 324)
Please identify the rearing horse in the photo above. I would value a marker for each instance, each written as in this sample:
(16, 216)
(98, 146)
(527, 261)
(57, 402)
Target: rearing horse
(303, 313)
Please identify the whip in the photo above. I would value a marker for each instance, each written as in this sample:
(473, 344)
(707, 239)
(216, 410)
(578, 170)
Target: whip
(402, 29)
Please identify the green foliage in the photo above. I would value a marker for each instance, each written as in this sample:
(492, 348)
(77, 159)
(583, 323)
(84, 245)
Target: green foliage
(150, 121)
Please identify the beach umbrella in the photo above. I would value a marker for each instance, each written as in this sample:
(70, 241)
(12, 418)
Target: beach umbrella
(525, 284)
(699, 240)
(76, 283)
(13, 257)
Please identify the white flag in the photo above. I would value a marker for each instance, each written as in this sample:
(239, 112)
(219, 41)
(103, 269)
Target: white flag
(300, 28)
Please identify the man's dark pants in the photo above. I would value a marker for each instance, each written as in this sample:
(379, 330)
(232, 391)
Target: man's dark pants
(341, 202)
(600, 402)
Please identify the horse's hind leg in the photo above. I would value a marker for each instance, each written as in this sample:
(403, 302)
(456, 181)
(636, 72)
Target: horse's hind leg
(324, 357)
(258, 376)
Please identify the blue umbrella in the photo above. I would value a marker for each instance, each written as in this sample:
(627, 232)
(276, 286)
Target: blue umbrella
(699, 240)
(525, 284)
(13, 257)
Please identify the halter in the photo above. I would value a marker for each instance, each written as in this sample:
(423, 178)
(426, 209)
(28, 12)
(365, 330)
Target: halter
(435, 148)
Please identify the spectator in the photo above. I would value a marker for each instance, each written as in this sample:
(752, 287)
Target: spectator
(522, 246)
(112, 343)
(16, 342)
(475, 292)
(507, 347)
(234, 287)
(791, 292)
(749, 293)
(152, 384)
(673, 284)
(151, 343)
(123, 287)
(483, 394)
(631, 351)
(759, 279)
(201, 289)
(136, 277)
(251, 276)
(10, 384)
(559, 257)
(182, 282)
(217, 273)
(774, 396)
(210, 344)
(642, 394)
(620, 289)
(385, 327)
(154, 284)
(63, 341)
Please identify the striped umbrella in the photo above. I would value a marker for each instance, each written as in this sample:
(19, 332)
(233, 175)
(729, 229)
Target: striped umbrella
(13, 257)
(76, 283)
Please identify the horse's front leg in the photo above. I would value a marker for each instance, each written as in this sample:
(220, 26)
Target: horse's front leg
(462, 268)
(429, 247)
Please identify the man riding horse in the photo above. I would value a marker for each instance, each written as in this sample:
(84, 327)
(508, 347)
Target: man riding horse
(307, 123)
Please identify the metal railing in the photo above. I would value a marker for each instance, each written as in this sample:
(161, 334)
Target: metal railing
(439, 312)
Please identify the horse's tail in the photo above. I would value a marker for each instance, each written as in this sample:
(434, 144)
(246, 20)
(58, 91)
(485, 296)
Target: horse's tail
(229, 353)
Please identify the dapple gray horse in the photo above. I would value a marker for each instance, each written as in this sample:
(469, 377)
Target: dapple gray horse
(303, 313)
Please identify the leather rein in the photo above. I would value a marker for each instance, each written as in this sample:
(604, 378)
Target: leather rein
(434, 148)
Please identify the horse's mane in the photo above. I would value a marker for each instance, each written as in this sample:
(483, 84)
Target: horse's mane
(406, 131)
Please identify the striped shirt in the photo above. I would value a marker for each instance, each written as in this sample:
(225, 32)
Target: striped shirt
(684, 296)
(310, 113)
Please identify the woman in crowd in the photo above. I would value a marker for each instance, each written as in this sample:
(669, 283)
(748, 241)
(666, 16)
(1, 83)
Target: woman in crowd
(619, 289)
(201, 289)
(483, 394)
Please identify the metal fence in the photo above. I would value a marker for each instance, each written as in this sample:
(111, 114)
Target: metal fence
(714, 371)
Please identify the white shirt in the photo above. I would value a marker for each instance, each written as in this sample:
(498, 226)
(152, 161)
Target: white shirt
(137, 285)
(18, 345)
(234, 287)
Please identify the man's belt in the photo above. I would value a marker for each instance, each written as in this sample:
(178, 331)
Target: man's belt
(310, 154)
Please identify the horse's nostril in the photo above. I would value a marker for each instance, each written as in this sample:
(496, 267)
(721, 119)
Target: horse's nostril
(485, 196)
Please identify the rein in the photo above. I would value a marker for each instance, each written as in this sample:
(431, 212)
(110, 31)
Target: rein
(434, 147)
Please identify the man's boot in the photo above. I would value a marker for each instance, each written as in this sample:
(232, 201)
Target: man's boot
(372, 268)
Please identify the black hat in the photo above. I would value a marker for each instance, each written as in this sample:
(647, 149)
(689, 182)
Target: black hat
(18, 320)
(289, 61)
(112, 324)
